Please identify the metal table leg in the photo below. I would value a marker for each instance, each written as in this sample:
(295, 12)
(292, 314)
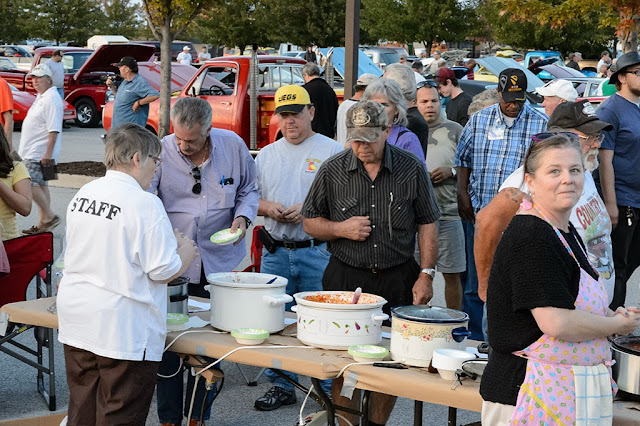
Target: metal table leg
(417, 413)
(326, 402)
(453, 414)
(366, 399)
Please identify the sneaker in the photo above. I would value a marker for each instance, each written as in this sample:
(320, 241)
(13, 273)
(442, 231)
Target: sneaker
(275, 398)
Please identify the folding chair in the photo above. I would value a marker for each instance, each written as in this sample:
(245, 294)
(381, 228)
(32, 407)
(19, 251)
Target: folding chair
(256, 258)
(30, 256)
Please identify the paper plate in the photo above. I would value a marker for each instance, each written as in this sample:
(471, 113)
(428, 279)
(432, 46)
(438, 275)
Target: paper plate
(368, 353)
(225, 237)
(250, 336)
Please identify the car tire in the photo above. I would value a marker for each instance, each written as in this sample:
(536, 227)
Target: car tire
(87, 113)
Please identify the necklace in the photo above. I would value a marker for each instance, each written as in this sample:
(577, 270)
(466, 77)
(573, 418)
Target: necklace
(206, 154)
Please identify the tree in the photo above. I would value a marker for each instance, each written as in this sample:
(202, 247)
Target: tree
(12, 21)
(121, 17)
(64, 20)
(417, 20)
(234, 23)
(168, 19)
(559, 14)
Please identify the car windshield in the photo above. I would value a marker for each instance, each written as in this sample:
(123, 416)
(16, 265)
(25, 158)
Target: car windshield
(389, 58)
(71, 61)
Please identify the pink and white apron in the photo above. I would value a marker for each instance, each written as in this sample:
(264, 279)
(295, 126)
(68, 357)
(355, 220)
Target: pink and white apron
(547, 396)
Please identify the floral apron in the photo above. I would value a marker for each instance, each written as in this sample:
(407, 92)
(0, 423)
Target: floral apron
(547, 395)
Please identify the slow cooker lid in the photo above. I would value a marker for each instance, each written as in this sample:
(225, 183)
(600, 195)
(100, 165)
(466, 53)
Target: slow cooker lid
(429, 314)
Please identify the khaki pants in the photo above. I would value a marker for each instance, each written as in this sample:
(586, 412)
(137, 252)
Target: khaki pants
(105, 391)
(494, 414)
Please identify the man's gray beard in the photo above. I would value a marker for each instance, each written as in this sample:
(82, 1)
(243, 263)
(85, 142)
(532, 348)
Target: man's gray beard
(591, 165)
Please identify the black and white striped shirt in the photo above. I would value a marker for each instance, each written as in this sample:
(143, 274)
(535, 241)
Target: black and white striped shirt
(397, 201)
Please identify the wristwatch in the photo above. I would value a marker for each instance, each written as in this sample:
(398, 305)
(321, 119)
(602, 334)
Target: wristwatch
(247, 221)
(453, 172)
(429, 271)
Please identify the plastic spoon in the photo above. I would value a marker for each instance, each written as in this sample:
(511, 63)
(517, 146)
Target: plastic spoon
(356, 295)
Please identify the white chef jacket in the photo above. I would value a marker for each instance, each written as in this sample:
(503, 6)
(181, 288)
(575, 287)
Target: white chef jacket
(119, 240)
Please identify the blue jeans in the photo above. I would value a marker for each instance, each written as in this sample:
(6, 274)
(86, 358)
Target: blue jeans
(471, 302)
(303, 268)
(170, 396)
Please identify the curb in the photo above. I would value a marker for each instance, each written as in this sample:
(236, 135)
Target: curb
(71, 181)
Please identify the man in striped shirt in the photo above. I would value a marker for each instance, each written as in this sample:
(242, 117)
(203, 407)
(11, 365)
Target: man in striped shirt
(368, 202)
(492, 146)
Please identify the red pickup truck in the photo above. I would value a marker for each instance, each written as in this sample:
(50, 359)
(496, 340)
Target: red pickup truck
(224, 83)
(86, 71)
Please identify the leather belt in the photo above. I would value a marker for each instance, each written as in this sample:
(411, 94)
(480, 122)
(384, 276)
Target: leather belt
(292, 245)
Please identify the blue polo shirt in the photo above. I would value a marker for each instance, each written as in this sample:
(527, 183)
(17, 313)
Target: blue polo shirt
(128, 93)
(624, 141)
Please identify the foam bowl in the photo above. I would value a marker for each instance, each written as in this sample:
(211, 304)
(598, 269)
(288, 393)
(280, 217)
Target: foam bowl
(176, 321)
(368, 353)
(250, 336)
(225, 237)
(447, 361)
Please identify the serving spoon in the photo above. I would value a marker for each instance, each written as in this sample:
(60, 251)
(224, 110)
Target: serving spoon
(356, 295)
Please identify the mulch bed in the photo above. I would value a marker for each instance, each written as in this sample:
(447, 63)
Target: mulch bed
(84, 168)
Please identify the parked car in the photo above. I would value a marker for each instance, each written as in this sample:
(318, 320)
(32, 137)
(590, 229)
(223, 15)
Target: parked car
(176, 47)
(224, 83)
(382, 56)
(14, 52)
(295, 54)
(22, 101)
(550, 56)
(85, 74)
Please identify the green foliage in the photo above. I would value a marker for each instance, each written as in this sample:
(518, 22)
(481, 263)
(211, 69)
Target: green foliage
(12, 21)
(417, 20)
(63, 20)
(548, 25)
(121, 17)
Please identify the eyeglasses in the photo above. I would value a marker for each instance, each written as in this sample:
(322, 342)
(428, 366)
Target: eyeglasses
(429, 83)
(156, 160)
(593, 138)
(539, 137)
(197, 187)
(636, 72)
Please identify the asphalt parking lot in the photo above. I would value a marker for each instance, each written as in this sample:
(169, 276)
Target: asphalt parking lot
(18, 395)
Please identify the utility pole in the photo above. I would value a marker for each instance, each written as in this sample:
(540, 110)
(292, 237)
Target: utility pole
(352, 46)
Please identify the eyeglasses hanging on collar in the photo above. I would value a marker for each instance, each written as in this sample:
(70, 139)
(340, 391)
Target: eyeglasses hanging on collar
(197, 187)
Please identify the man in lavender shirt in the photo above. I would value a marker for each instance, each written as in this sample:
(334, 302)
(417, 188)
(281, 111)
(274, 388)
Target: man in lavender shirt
(207, 182)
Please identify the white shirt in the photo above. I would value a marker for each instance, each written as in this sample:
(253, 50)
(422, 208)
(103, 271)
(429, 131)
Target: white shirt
(341, 121)
(184, 58)
(57, 69)
(203, 56)
(591, 220)
(119, 240)
(44, 116)
(285, 174)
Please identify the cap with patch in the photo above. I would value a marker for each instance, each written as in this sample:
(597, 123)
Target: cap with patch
(128, 61)
(512, 83)
(366, 79)
(560, 88)
(365, 121)
(40, 71)
(291, 98)
(577, 115)
(445, 74)
(186, 48)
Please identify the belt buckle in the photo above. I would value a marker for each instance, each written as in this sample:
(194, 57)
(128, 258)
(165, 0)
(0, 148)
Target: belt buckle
(289, 245)
(375, 270)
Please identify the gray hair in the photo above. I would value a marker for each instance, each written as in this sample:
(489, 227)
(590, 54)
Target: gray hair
(534, 154)
(190, 111)
(311, 69)
(392, 91)
(482, 100)
(124, 141)
(405, 77)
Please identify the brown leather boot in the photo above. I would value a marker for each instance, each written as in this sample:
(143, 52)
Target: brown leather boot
(194, 422)
(170, 424)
